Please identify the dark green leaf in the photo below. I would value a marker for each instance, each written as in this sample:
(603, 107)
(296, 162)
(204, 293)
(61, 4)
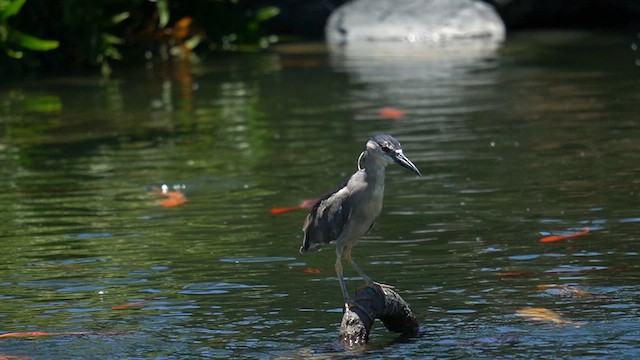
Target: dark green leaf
(31, 42)
(163, 12)
(12, 9)
(118, 18)
(267, 13)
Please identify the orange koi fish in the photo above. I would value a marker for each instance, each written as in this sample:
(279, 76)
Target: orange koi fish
(171, 198)
(307, 204)
(554, 238)
(307, 270)
(515, 274)
(391, 113)
(543, 314)
(129, 306)
(42, 333)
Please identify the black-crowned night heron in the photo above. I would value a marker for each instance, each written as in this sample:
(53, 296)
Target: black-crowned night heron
(347, 213)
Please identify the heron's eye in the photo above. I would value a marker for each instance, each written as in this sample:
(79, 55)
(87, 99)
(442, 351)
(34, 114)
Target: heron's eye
(385, 148)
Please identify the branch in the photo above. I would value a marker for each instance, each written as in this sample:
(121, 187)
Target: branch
(376, 302)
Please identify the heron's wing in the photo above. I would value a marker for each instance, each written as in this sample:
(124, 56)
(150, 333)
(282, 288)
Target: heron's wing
(327, 219)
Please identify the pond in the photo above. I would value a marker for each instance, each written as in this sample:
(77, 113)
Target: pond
(536, 138)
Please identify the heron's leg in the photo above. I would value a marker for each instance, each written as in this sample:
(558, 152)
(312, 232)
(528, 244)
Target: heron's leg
(365, 277)
(343, 286)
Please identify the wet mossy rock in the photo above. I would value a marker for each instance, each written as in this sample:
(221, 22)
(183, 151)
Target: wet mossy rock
(429, 22)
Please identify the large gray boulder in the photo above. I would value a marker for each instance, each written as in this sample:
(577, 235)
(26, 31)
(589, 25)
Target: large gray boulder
(430, 22)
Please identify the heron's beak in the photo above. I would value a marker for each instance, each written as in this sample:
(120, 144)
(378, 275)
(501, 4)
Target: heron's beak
(405, 162)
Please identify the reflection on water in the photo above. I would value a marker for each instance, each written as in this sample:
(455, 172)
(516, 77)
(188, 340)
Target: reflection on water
(533, 139)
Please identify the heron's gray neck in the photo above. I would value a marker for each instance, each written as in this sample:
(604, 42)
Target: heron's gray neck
(374, 168)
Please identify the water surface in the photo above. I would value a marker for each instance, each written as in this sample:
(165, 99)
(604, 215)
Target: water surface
(538, 137)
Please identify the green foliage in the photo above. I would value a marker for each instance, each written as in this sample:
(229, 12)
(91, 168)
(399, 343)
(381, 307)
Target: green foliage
(10, 8)
(267, 13)
(95, 34)
(11, 40)
(163, 13)
(262, 15)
